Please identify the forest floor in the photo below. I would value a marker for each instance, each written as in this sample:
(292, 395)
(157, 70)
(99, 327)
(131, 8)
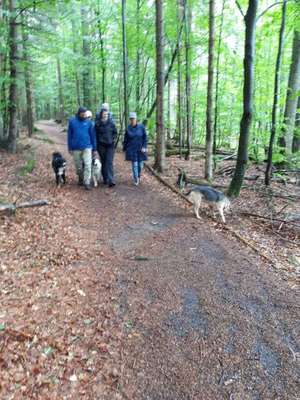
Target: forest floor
(122, 294)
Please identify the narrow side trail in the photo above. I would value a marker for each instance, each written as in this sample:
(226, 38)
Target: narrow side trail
(122, 294)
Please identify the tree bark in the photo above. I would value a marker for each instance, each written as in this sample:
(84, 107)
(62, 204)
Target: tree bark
(169, 112)
(3, 73)
(103, 59)
(188, 87)
(210, 91)
(61, 103)
(276, 95)
(125, 62)
(174, 56)
(292, 98)
(160, 131)
(242, 158)
(13, 88)
(86, 74)
(77, 81)
(138, 59)
(217, 80)
(296, 140)
(30, 109)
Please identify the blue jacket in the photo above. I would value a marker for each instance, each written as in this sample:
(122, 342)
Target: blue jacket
(81, 134)
(134, 140)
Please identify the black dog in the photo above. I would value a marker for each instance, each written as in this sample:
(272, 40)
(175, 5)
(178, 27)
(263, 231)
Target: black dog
(59, 168)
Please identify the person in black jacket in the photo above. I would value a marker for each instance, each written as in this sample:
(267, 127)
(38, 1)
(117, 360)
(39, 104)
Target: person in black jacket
(106, 134)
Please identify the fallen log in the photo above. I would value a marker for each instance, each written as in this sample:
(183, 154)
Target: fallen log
(13, 207)
(290, 222)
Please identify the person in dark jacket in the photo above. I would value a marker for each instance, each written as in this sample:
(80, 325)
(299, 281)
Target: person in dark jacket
(81, 144)
(135, 146)
(106, 134)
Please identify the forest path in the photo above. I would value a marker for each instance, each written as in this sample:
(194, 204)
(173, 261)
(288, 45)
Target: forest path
(177, 310)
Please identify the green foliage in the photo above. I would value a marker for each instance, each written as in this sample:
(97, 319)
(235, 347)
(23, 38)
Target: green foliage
(27, 168)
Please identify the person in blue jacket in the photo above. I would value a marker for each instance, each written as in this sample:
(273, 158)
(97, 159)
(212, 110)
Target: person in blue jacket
(81, 144)
(135, 146)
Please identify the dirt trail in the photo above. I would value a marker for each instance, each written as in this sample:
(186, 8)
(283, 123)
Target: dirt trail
(185, 312)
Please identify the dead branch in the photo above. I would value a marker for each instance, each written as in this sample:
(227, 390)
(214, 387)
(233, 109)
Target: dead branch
(13, 207)
(269, 218)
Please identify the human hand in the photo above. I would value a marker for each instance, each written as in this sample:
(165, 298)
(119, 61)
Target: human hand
(143, 150)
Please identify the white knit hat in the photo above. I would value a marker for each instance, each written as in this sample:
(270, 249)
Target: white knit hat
(132, 115)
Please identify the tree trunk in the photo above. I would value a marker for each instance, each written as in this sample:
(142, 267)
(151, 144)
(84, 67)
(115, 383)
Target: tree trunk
(61, 104)
(13, 88)
(210, 90)
(242, 158)
(125, 62)
(169, 112)
(188, 87)
(296, 140)
(28, 83)
(86, 74)
(160, 132)
(103, 59)
(217, 80)
(292, 98)
(3, 72)
(77, 81)
(276, 95)
(174, 56)
(138, 59)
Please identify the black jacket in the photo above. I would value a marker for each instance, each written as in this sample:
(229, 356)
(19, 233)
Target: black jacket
(106, 132)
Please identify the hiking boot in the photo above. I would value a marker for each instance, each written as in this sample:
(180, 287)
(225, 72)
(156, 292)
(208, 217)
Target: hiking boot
(111, 184)
(87, 187)
(80, 181)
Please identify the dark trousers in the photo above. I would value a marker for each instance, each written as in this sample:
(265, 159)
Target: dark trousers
(107, 158)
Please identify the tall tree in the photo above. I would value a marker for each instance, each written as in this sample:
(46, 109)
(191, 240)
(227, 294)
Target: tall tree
(13, 88)
(61, 102)
(180, 17)
(138, 58)
(160, 131)
(188, 83)
(291, 96)
(218, 79)
(75, 50)
(125, 61)
(102, 55)
(28, 81)
(210, 95)
(86, 75)
(276, 95)
(242, 157)
(296, 140)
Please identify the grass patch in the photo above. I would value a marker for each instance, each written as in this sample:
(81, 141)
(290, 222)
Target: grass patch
(27, 168)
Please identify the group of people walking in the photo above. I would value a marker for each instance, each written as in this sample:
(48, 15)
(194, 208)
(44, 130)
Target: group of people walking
(88, 139)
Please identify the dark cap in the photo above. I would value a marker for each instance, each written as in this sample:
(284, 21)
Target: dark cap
(81, 110)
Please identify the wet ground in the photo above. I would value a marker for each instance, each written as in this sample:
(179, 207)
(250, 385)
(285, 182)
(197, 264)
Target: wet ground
(200, 315)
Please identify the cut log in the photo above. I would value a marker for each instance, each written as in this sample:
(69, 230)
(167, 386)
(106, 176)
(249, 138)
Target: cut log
(13, 207)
